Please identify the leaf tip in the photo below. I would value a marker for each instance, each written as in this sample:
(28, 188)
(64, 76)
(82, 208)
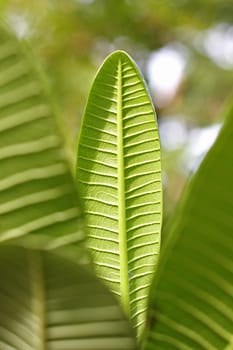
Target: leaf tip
(123, 55)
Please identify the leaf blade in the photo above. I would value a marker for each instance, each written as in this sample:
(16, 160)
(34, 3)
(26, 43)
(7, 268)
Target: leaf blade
(119, 178)
(38, 201)
(49, 303)
(192, 297)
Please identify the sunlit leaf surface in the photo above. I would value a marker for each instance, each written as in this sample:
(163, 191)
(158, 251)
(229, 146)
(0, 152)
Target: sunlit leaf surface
(119, 177)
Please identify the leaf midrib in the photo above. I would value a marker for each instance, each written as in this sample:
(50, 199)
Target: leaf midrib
(38, 299)
(124, 281)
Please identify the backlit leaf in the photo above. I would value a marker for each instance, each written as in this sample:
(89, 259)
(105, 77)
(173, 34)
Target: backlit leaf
(119, 178)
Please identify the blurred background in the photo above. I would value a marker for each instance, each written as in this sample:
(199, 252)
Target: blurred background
(184, 49)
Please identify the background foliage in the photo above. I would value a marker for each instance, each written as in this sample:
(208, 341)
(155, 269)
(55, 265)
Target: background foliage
(72, 37)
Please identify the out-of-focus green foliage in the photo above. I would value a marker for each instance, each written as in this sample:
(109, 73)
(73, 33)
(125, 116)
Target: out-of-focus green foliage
(48, 302)
(38, 198)
(192, 300)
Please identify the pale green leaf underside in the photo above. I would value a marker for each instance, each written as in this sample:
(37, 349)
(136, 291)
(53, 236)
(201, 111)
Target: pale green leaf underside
(193, 293)
(119, 177)
(37, 196)
(49, 303)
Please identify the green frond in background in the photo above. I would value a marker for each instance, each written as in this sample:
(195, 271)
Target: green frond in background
(38, 199)
(119, 178)
(50, 303)
(192, 298)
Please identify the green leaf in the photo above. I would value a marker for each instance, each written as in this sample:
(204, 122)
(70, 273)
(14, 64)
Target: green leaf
(192, 304)
(119, 178)
(38, 199)
(50, 303)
